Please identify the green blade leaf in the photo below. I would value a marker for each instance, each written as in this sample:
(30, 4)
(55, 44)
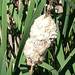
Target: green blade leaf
(4, 32)
(61, 54)
(49, 68)
(46, 66)
(0, 8)
(73, 67)
(67, 60)
(66, 19)
(39, 8)
(67, 72)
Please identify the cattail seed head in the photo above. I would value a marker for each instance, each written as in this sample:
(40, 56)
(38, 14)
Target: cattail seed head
(42, 32)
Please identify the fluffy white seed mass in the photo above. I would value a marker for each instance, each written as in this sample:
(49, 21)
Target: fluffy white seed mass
(43, 28)
(42, 32)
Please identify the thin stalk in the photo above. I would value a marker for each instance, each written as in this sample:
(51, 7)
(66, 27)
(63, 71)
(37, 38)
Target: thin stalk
(66, 19)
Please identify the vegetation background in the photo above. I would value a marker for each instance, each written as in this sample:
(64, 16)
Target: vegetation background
(16, 18)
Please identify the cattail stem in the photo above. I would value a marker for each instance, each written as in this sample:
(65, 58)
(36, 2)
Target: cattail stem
(31, 70)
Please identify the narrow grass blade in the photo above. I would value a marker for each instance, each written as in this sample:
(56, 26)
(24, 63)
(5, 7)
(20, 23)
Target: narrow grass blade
(22, 59)
(20, 14)
(66, 19)
(39, 8)
(0, 12)
(27, 73)
(68, 59)
(49, 68)
(0, 8)
(17, 19)
(73, 25)
(46, 66)
(54, 72)
(3, 71)
(9, 69)
(73, 67)
(67, 72)
(4, 32)
(60, 55)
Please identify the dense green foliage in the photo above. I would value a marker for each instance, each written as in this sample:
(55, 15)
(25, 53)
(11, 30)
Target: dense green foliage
(59, 59)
